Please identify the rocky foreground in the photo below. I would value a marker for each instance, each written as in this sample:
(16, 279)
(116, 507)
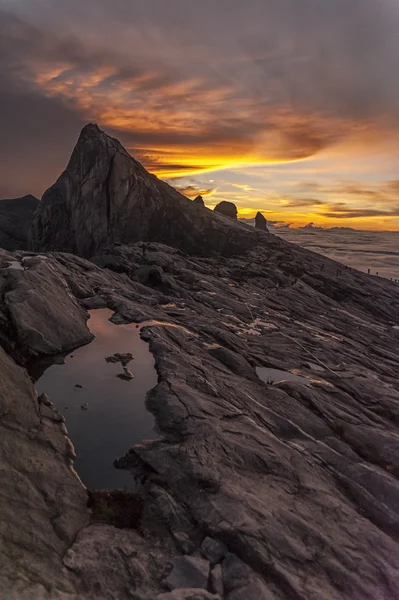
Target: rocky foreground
(296, 486)
(254, 490)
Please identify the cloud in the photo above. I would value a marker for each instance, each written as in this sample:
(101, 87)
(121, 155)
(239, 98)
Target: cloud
(300, 202)
(192, 191)
(191, 87)
(343, 212)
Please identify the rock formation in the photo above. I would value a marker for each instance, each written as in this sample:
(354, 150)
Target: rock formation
(252, 489)
(295, 484)
(105, 196)
(15, 220)
(228, 209)
(199, 200)
(260, 222)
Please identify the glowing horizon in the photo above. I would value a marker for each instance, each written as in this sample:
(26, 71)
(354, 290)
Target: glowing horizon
(261, 109)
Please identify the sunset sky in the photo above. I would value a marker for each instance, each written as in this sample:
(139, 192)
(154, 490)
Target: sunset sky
(290, 106)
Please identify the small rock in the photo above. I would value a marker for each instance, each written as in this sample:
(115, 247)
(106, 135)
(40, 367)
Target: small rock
(119, 357)
(216, 581)
(184, 543)
(127, 375)
(44, 399)
(260, 222)
(236, 574)
(78, 386)
(188, 572)
(255, 590)
(214, 550)
(85, 406)
(187, 594)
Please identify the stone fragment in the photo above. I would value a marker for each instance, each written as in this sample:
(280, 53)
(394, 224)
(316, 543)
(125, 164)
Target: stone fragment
(127, 375)
(183, 541)
(236, 574)
(188, 572)
(214, 550)
(216, 581)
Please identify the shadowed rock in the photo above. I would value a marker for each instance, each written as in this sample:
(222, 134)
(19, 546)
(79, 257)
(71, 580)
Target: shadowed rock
(228, 209)
(199, 200)
(260, 222)
(105, 196)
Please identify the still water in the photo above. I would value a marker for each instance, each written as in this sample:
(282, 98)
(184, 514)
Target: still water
(106, 415)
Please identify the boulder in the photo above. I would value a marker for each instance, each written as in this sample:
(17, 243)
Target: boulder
(213, 550)
(260, 222)
(46, 317)
(188, 572)
(228, 209)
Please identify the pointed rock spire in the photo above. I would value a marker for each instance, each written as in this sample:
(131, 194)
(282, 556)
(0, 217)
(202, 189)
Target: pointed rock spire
(106, 196)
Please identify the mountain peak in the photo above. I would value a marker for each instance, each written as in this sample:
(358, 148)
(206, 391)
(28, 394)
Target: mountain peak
(106, 196)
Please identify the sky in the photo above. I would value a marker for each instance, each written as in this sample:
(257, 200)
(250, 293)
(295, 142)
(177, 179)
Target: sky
(288, 107)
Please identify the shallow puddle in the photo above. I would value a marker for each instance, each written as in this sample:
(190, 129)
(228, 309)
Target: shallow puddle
(275, 376)
(106, 415)
(15, 264)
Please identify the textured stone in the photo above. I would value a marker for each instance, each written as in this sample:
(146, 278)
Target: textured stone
(105, 196)
(260, 222)
(255, 590)
(213, 550)
(216, 581)
(236, 574)
(228, 209)
(188, 572)
(187, 594)
(46, 317)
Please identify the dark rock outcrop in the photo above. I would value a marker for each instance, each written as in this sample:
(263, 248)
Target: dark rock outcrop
(105, 196)
(228, 209)
(199, 200)
(15, 220)
(260, 222)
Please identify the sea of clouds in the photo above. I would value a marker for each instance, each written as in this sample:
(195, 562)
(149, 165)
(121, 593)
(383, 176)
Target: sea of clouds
(362, 250)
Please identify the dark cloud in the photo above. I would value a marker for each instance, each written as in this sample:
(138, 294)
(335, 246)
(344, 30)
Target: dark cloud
(208, 82)
(343, 212)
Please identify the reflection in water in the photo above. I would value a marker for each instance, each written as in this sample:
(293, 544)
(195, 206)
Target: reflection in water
(15, 264)
(116, 417)
(275, 376)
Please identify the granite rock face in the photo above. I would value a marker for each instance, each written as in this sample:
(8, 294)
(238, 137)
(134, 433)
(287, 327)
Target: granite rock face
(15, 221)
(228, 209)
(105, 196)
(260, 222)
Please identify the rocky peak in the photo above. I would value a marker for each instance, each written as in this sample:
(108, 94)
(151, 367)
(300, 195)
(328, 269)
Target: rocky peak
(199, 200)
(106, 196)
(228, 209)
(260, 222)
